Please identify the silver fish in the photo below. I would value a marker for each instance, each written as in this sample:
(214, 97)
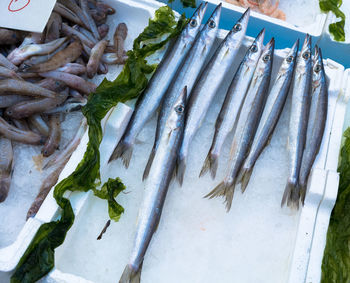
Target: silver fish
(298, 122)
(6, 165)
(247, 124)
(187, 75)
(156, 188)
(207, 86)
(317, 121)
(232, 104)
(271, 114)
(151, 98)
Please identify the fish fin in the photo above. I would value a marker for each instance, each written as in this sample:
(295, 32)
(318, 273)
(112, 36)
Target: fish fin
(4, 188)
(180, 169)
(244, 177)
(223, 189)
(291, 195)
(148, 165)
(210, 163)
(123, 150)
(303, 188)
(130, 275)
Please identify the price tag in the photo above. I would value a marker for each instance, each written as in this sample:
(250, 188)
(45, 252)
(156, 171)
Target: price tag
(29, 15)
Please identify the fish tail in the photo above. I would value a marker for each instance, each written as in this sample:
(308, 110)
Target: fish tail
(291, 195)
(244, 177)
(123, 150)
(210, 163)
(130, 275)
(225, 189)
(4, 188)
(303, 188)
(149, 164)
(180, 169)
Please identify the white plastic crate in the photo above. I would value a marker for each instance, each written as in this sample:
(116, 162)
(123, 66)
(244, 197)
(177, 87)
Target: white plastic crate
(288, 243)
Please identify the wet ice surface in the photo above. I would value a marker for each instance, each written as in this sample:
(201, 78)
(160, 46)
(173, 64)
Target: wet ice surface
(26, 182)
(196, 241)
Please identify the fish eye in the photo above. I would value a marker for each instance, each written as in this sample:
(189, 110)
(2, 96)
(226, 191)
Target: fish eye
(290, 59)
(306, 55)
(237, 27)
(317, 68)
(267, 57)
(212, 24)
(193, 23)
(179, 109)
(254, 48)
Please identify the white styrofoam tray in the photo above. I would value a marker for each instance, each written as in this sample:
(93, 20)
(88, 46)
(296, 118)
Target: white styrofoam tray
(256, 235)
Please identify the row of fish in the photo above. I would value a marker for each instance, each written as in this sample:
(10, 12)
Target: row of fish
(183, 87)
(44, 76)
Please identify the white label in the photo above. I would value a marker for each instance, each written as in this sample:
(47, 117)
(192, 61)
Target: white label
(29, 15)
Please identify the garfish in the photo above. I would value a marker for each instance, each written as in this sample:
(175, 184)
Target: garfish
(271, 114)
(6, 165)
(207, 86)
(301, 98)
(187, 75)
(232, 104)
(151, 98)
(247, 124)
(317, 121)
(156, 187)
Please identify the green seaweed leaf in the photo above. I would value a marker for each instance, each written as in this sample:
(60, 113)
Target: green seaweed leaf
(38, 259)
(337, 28)
(336, 258)
(109, 191)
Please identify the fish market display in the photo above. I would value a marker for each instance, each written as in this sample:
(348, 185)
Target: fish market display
(267, 7)
(247, 124)
(272, 111)
(317, 121)
(208, 84)
(232, 104)
(156, 187)
(152, 96)
(187, 75)
(43, 76)
(301, 98)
